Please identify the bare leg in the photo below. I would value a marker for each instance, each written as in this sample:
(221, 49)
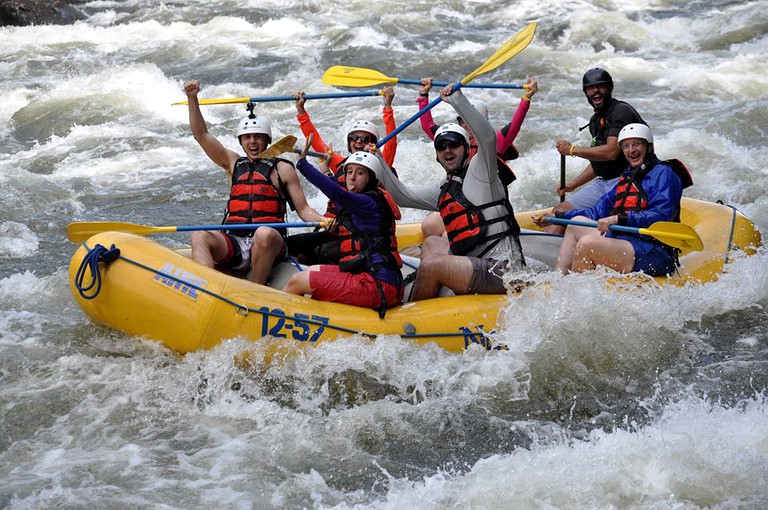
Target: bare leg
(593, 251)
(299, 282)
(571, 238)
(433, 225)
(436, 270)
(267, 245)
(435, 245)
(208, 248)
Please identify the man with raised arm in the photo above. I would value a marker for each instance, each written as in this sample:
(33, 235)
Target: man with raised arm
(482, 234)
(260, 191)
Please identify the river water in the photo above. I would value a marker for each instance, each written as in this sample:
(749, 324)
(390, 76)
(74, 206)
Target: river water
(653, 398)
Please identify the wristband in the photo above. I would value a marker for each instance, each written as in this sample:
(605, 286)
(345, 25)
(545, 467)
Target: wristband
(424, 95)
(571, 151)
(526, 99)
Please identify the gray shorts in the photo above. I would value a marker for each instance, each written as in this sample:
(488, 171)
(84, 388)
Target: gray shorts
(589, 194)
(486, 276)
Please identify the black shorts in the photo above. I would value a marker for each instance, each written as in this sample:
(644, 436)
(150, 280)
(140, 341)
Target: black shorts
(312, 248)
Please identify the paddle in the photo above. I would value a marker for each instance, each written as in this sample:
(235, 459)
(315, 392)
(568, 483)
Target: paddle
(82, 231)
(285, 144)
(562, 176)
(509, 49)
(677, 235)
(346, 76)
(236, 100)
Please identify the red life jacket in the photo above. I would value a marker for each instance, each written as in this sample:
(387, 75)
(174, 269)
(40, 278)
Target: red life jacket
(466, 224)
(357, 250)
(253, 198)
(630, 196)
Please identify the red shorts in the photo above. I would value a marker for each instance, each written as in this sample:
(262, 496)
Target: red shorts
(330, 284)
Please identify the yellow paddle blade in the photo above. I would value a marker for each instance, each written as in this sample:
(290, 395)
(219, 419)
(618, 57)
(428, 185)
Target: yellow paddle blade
(79, 232)
(345, 76)
(509, 49)
(678, 235)
(223, 100)
(285, 144)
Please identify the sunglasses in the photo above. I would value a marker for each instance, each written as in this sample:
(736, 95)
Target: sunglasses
(444, 144)
(361, 138)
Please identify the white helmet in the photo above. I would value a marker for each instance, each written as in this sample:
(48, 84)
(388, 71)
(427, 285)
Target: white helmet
(636, 131)
(364, 125)
(367, 160)
(452, 132)
(257, 124)
(480, 107)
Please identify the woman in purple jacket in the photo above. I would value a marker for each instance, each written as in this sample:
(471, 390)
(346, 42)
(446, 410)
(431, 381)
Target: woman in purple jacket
(368, 273)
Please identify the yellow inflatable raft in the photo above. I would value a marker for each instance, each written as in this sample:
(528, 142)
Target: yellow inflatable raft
(151, 291)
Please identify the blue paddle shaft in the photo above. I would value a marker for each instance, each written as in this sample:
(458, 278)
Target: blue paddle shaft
(415, 117)
(407, 81)
(248, 226)
(335, 95)
(615, 228)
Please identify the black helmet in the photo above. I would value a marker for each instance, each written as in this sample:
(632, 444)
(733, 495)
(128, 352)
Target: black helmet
(596, 76)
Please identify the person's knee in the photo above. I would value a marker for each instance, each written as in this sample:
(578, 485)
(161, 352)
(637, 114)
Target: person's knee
(199, 238)
(292, 285)
(267, 239)
(431, 267)
(434, 246)
(432, 225)
(586, 248)
(589, 243)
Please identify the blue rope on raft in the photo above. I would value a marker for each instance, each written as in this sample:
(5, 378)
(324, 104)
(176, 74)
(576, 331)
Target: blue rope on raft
(91, 262)
(99, 253)
(733, 229)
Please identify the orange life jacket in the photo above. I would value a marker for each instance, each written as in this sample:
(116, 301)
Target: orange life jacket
(630, 196)
(466, 223)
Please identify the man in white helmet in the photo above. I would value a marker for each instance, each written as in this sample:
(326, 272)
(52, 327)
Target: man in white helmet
(647, 191)
(505, 137)
(260, 191)
(482, 234)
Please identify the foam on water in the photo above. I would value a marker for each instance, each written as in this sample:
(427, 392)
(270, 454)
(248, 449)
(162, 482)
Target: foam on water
(669, 465)
(17, 240)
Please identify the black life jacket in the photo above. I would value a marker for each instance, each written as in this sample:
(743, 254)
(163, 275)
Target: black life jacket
(358, 249)
(253, 198)
(466, 223)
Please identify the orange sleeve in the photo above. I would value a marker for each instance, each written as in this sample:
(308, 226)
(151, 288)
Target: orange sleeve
(306, 126)
(390, 148)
